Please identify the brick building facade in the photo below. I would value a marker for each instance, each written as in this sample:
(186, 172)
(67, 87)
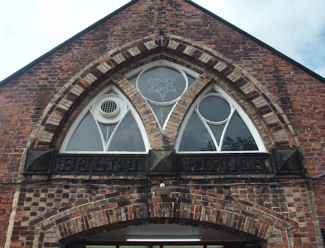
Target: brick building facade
(272, 197)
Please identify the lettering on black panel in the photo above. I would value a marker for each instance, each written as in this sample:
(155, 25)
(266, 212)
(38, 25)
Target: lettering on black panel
(100, 165)
(224, 164)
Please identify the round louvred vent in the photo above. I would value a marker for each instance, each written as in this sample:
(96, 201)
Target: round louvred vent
(109, 109)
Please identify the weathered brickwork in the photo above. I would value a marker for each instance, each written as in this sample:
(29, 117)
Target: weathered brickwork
(269, 209)
(6, 197)
(38, 105)
(279, 131)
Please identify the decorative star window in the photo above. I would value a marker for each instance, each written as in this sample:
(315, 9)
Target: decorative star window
(216, 136)
(214, 123)
(162, 83)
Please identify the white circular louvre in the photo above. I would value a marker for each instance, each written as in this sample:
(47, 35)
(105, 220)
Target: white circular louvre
(109, 109)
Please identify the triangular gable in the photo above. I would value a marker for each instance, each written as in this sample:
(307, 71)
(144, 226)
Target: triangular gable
(123, 8)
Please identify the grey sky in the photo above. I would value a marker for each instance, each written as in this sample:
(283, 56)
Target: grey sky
(30, 28)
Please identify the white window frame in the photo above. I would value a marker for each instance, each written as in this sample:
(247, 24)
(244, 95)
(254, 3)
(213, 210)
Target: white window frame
(182, 69)
(88, 108)
(234, 107)
(218, 91)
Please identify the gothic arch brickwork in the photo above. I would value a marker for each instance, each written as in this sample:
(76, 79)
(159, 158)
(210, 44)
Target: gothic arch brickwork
(193, 205)
(277, 211)
(282, 98)
(277, 123)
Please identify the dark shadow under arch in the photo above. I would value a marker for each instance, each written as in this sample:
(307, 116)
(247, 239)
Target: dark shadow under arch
(84, 236)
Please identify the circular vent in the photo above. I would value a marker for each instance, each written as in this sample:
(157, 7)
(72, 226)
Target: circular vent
(108, 106)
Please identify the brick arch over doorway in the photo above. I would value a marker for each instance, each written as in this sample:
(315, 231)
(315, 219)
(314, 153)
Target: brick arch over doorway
(104, 212)
(278, 127)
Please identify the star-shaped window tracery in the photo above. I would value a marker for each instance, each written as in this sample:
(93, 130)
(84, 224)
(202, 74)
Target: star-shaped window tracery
(162, 85)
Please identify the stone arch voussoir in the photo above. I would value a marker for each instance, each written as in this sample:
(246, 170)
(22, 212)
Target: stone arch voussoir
(279, 128)
(182, 106)
(144, 111)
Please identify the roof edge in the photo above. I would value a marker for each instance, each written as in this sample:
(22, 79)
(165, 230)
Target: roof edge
(64, 43)
(273, 50)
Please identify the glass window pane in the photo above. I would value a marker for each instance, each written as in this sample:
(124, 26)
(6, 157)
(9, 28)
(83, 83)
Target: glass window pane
(214, 108)
(190, 79)
(100, 246)
(127, 137)
(86, 137)
(196, 136)
(238, 137)
(217, 131)
(133, 79)
(111, 92)
(107, 130)
(161, 112)
(183, 246)
(139, 246)
(161, 84)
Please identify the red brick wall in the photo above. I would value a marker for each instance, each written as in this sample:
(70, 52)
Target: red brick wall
(6, 196)
(252, 207)
(24, 98)
(318, 188)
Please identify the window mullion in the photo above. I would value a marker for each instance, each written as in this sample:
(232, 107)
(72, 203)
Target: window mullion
(115, 130)
(209, 130)
(99, 130)
(226, 127)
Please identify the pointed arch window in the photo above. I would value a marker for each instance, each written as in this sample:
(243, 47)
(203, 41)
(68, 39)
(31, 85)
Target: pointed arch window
(107, 125)
(108, 136)
(216, 123)
(162, 83)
